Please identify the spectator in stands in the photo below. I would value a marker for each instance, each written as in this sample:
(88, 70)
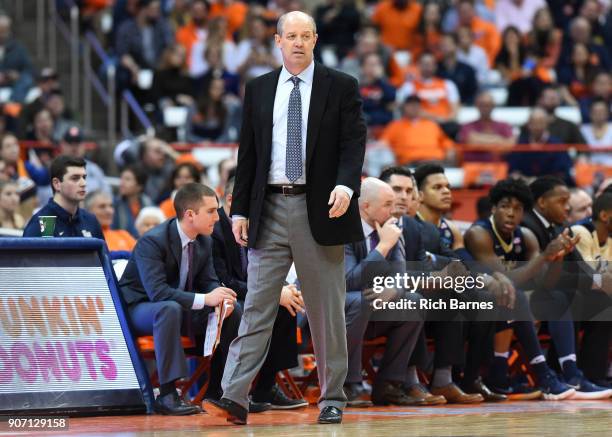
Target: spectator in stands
(581, 205)
(9, 205)
(47, 82)
(68, 180)
(598, 133)
(157, 158)
(231, 261)
(25, 172)
(473, 55)
(338, 21)
(439, 97)
(148, 218)
(15, 66)
(485, 130)
(377, 93)
(544, 40)
(62, 119)
(179, 14)
(217, 69)
(233, 12)
(398, 21)
(580, 33)
(172, 85)
(141, 40)
(578, 75)
(485, 33)
(72, 145)
(414, 138)
(100, 204)
(533, 164)
(217, 116)
(601, 88)
(429, 32)
(170, 272)
(517, 69)
(182, 175)
(592, 10)
(564, 130)
(226, 169)
(193, 37)
(380, 249)
(517, 13)
(131, 199)
(462, 75)
(450, 22)
(256, 54)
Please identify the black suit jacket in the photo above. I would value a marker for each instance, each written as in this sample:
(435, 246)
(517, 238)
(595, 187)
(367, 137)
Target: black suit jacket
(430, 237)
(576, 274)
(335, 149)
(361, 265)
(226, 256)
(152, 273)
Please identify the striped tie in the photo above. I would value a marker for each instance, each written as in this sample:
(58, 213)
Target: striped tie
(293, 160)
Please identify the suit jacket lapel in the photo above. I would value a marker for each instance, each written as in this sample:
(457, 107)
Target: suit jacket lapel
(267, 102)
(318, 99)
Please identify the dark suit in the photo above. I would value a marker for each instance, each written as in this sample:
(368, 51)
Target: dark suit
(228, 265)
(572, 292)
(157, 306)
(335, 150)
(361, 266)
(297, 228)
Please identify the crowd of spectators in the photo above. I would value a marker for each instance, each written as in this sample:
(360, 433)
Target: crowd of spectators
(418, 63)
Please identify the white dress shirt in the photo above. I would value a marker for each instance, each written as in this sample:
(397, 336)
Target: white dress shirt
(200, 298)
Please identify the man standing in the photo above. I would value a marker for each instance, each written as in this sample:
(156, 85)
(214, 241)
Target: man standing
(68, 181)
(301, 153)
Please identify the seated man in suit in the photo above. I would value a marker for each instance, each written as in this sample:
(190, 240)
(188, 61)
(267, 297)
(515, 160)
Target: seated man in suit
(230, 262)
(170, 284)
(579, 287)
(424, 251)
(378, 255)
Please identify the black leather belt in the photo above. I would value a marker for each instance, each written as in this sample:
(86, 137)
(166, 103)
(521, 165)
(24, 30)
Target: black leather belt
(287, 190)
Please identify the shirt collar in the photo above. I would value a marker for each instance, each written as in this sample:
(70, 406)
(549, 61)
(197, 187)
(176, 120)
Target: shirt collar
(545, 222)
(306, 76)
(61, 212)
(367, 229)
(184, 238)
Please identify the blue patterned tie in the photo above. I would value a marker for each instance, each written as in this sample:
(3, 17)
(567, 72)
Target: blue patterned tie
(293, 160)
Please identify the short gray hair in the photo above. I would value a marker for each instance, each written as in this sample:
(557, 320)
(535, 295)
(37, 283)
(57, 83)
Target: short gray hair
(150, 211)
(294, 14)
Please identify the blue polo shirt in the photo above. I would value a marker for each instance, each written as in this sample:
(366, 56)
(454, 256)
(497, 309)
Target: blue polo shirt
(82, 224)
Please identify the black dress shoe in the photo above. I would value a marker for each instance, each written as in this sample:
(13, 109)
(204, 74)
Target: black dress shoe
(258, 407)
(172, 405)
(478, 386)
(227, 409)
(330, 415)
(389, 393)
(279, 400)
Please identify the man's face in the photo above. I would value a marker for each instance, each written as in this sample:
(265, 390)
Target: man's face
(76, 150)
(203, 220)
(198, 12)
(297, 42)
(485, 105)
(581, 206)
(403, 188)
(102, 208)
(436, 192)
(411, 110)
(537, 125)
(72, 186)
(507, 215)
(154, 156)
(427, 65)
(550, 100)
(379, 208)
(602, 85)
(10, 150)
(555, 205)
(147, 223)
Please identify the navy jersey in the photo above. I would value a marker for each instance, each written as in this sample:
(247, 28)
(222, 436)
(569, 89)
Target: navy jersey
(509, 253)
(446, 234)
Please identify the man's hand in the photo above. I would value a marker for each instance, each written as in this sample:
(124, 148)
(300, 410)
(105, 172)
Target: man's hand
(507, 288)
(218, 295)
(389, 233)
(291, 298)
(340, 201)
(561, 246)
(240, 228)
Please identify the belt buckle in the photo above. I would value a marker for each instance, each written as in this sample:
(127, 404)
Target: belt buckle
(288, 192)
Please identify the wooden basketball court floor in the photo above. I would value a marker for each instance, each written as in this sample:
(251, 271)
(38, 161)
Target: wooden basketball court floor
(569, 418)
